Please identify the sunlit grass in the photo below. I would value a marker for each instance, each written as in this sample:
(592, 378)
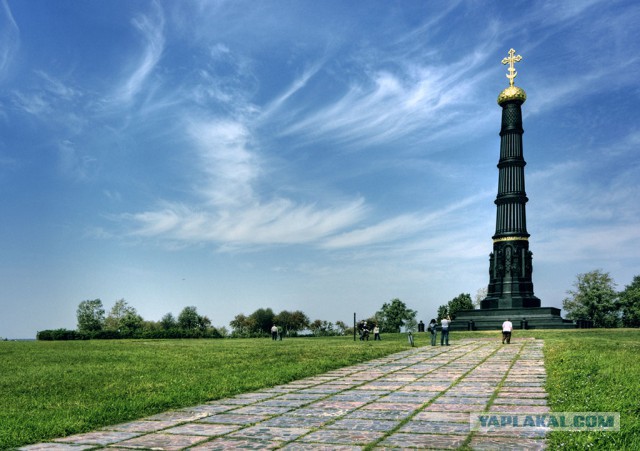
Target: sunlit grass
(54, 389)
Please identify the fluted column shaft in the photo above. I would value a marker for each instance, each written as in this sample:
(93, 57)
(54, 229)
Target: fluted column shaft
(510, 263)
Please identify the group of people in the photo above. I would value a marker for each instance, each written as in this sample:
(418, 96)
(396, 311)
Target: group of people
(507, 328)
(364, 332)
(444, 331)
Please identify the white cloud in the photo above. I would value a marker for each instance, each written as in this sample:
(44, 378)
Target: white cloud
(276, 222)
(229, 166)
(152, 33)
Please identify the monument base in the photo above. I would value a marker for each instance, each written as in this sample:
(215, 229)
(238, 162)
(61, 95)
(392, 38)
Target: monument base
(522, 318)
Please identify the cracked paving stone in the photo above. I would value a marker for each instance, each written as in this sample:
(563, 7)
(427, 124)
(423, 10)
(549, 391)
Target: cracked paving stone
(206, 429)
(380, 414)
(142, 426)
(339, 436)
(319, 447)
(223, 444)
(164, 442)
(98, 438)
(270, 433)
(291, 421)
(55, 447)
(180, 416)
(435, 427)
(261, 410)
(404, 440)
(362, 424)
(229, 418)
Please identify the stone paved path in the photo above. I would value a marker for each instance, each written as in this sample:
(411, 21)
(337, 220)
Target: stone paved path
(419, 398)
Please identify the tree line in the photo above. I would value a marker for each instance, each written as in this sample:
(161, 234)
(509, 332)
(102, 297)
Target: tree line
(593, 298)
(123, 321)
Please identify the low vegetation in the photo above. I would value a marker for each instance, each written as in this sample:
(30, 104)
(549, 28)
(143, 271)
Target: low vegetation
(57, 388)
(52, 389)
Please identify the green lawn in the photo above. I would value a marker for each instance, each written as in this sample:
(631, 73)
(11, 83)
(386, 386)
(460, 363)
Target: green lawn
(52, 389)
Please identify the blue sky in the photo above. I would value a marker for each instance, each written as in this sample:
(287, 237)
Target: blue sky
(321, 156)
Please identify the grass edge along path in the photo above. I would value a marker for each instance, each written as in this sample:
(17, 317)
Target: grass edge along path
(57, 389)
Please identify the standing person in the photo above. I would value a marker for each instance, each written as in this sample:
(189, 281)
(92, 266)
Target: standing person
(444, 335)
(376, 333)
(274, 332)
(433, 328)
(507, 327)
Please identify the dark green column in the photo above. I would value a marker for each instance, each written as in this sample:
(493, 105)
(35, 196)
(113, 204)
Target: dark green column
(510, 263)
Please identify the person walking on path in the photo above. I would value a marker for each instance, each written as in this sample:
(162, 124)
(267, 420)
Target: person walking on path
(274, 332)
(444, 334)
(376, 333)
(433, 329)
(507, 327)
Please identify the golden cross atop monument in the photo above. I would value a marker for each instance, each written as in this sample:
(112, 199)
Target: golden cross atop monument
(511, 60)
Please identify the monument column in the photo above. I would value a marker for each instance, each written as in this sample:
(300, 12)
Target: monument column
(510, 263)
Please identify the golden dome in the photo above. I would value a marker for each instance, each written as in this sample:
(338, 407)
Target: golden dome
(512, 93)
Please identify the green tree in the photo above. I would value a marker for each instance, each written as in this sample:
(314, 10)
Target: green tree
(461, 302)
(321, 328)
(188, 319)
(443, 312)
(90, 315)
(262, 319)
(594, 298)
(168, 322)
(630, 304)
(123, 318)
(393, 315)
(341, 327)
(291, 322)
(204, 323)
(242, 325)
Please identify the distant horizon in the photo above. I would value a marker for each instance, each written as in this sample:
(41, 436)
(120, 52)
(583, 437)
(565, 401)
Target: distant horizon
(318, 156)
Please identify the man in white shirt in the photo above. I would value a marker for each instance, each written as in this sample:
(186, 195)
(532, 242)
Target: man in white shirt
(507, 327)
(444, 334)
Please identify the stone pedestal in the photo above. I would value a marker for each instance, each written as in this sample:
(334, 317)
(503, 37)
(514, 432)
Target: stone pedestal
(522, 318)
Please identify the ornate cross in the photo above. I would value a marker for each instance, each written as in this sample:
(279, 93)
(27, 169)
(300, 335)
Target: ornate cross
(510, 61)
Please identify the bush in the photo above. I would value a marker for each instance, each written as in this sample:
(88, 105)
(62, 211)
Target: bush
(61, 334)
(65, 334)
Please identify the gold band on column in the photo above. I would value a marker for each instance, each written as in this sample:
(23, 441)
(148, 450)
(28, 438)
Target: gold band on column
(511, 238)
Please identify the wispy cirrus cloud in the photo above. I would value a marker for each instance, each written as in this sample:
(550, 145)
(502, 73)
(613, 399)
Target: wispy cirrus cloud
(403, 226)
(9, 37)
(152, 32)
(230, 213)
(383, 106)
(279, 221)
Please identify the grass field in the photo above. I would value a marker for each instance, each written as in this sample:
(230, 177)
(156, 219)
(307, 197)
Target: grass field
(53, 389)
